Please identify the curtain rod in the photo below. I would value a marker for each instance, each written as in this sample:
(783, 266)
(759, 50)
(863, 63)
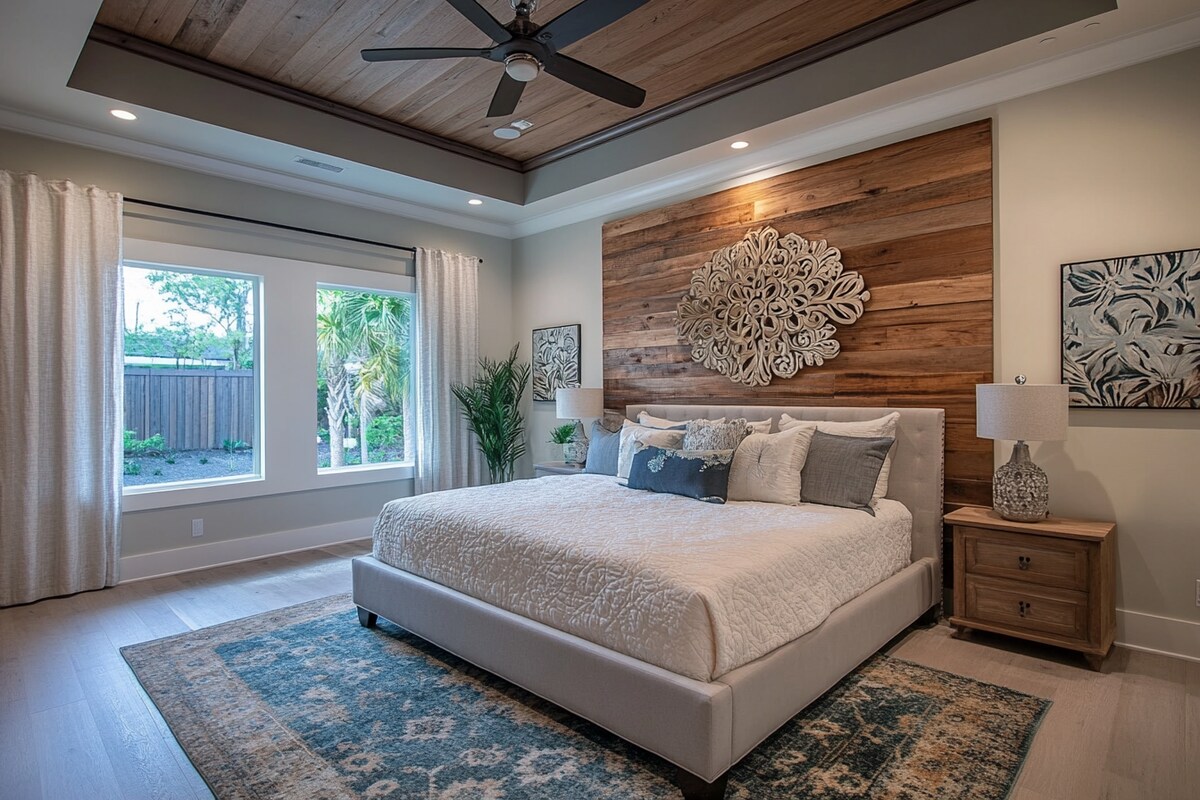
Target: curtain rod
(280, 226)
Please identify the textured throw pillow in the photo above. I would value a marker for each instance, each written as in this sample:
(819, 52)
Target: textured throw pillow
(602, 452)
(699, 474)
(707, 434)
(659, 422)
(842, 470)
(767, 466)
(632, 434)
(871, 428)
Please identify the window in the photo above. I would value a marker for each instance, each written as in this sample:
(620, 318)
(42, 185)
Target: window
(365, 400)
(270, 440)
(191, 379)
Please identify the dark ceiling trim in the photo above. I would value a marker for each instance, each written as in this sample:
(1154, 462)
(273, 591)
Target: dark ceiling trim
(910, 15)
(175, 58)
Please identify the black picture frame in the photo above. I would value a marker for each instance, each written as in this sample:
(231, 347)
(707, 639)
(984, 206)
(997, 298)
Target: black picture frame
(556, 361)
(1130, 331)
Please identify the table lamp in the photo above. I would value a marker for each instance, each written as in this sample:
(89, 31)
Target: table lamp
(1021, 411)
(578, 404)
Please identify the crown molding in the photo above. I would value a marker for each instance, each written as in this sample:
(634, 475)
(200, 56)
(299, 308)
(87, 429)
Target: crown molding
(68, 133)
(950, 106)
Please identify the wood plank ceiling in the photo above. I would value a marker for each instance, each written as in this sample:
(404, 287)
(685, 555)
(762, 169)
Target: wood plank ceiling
(671, 48)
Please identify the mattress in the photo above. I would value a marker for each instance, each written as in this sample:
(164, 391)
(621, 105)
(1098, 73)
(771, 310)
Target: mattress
(695, 588)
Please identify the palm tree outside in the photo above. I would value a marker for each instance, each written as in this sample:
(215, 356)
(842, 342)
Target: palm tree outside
(364, 358)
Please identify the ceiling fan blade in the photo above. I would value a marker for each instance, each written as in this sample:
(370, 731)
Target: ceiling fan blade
(422, 53)
(480, 18)
(586, 18)
(593, 80)
(508, 93)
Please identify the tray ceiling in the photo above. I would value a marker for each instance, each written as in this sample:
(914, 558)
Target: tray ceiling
(673, 49)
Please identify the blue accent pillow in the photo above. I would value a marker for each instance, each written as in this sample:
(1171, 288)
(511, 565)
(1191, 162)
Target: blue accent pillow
(842, 470)
(699, 474)
(602, 452)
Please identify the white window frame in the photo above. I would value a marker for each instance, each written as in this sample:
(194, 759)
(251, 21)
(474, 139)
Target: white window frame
(286, 366)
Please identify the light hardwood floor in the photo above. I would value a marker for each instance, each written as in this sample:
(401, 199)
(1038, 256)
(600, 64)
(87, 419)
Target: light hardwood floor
(75, 724)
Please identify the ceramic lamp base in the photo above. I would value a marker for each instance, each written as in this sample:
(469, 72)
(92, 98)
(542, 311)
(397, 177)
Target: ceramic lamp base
(1020, 489)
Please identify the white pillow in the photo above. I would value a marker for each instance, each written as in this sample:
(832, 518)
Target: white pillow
(632, 433)
(763, 426)
(648, 421)
(766, 466)
(871, 428)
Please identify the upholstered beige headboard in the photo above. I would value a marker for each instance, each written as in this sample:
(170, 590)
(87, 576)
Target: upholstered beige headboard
(918, 463)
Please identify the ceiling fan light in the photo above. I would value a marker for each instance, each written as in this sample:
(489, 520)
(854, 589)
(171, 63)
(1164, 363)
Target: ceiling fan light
(522, 67)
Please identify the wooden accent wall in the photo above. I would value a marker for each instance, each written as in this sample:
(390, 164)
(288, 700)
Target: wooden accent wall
(915, 218)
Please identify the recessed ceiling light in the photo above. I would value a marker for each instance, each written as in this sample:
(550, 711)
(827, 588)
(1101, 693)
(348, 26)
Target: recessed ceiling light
(474, 201)
(740, 145)
(506, 133)
(121, 113)
(1048, 40)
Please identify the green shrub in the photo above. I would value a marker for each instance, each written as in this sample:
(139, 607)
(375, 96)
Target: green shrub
(234, 445)
(132, 468)
(385, 431)
(170, 461)
(157, 472)
(203, 460)
(153, 446)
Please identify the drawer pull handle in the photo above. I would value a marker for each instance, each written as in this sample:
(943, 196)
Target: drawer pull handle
(1023, 562)
(1024, 608)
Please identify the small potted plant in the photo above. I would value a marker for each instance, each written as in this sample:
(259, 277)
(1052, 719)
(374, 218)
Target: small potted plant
(562, 435)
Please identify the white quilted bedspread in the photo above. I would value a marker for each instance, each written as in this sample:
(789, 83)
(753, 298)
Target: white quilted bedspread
(695, 588)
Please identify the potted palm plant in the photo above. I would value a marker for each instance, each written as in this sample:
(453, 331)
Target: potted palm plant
(491, 404)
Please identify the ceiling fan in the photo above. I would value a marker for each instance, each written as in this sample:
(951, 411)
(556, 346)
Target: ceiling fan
(526, 48)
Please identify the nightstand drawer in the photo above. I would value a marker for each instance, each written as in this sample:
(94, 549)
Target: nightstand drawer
(1027, 608)
(1027, 558)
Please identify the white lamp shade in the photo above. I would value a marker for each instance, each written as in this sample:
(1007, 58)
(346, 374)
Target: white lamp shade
(579, 403)
(1034, 412)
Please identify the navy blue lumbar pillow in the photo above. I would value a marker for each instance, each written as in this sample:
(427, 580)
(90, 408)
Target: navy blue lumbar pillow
(602, 451)
(842, 470)
(699, 474)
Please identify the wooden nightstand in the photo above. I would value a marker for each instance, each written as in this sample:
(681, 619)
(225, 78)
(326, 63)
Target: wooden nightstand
(556, 468)
(1052, 581)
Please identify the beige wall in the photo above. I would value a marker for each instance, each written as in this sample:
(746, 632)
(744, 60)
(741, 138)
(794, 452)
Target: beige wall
(1105, 167)
(557, 283)
(162, 529)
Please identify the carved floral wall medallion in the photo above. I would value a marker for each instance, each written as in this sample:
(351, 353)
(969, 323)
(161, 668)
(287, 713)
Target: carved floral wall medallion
(769, 306)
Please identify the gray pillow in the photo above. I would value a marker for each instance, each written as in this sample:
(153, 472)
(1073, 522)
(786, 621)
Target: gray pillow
(842, 470)
(602, 451)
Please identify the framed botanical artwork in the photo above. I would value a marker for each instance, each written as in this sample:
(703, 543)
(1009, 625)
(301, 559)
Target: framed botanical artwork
(1130, 331)
(555, 360)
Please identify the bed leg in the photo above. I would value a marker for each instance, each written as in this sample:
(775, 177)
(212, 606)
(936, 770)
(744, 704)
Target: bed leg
(367, 618)
(696, 788)
(930, 617)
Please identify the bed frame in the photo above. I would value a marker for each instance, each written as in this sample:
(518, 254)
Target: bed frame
(703, 728)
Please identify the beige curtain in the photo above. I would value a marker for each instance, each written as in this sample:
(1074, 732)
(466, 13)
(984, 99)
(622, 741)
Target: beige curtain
(61, 380)
(448, 348)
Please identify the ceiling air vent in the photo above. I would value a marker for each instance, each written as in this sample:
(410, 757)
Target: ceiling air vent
(308, 162)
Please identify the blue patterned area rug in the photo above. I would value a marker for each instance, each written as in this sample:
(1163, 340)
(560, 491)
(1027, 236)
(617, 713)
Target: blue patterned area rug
(304, 703)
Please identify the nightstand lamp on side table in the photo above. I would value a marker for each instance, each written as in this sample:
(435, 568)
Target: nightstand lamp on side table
(1052, 581)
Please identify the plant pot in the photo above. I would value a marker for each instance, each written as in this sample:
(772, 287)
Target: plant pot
(575, 452)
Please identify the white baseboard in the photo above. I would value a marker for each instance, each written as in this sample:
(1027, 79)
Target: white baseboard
(1167, 636)
(202, 556)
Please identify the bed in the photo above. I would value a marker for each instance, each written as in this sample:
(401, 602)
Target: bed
(701, 707)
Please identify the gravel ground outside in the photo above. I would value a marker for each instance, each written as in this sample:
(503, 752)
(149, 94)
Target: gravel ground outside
(193, 465)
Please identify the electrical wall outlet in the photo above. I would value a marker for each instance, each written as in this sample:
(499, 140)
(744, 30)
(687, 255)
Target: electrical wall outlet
(197, 527)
